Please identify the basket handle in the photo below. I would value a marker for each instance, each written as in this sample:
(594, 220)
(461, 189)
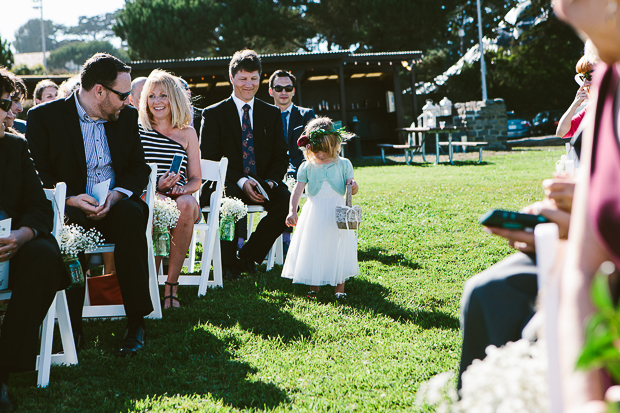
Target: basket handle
(349, 195)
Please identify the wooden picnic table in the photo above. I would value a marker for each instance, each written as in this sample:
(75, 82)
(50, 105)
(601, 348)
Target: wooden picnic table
(416, 143)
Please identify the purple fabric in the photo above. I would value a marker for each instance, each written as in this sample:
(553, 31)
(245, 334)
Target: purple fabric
(604, 197)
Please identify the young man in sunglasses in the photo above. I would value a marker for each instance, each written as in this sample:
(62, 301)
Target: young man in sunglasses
(86, 139)
(294, 118)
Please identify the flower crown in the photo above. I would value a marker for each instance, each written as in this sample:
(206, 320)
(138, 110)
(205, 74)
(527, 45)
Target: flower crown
(313, 137)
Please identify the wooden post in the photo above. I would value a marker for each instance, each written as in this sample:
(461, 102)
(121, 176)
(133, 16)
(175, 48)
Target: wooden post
(343, 97)
(413, 94)
(398, 98)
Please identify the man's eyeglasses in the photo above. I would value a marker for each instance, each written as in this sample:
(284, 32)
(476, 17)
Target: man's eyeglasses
(122, 96)
(279, 89)
(5, 104)
(580, 78)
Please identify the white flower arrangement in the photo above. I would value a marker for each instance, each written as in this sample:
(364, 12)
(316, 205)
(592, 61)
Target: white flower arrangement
(165, 214)
(560, 165)
(75, 239)
(233, 208)
(510, 379)
(290, 183)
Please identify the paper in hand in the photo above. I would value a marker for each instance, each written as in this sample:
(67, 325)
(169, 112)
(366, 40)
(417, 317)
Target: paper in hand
(100, 191)
(5, 232)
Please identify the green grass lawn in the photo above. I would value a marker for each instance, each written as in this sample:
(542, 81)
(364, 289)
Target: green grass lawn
(259, 344)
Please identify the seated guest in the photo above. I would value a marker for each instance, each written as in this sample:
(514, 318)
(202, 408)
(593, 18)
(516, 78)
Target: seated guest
(234, 128)
(36, 270)
(92, 137)
(165, 115)
(69, 86)
(45, 91)
(136, 91)
(14, 125)
(498, 303)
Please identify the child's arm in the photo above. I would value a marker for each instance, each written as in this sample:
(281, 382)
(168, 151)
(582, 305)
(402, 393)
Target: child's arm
(354, 186)
(291, 219)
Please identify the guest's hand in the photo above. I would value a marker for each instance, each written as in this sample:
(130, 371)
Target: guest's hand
(291, 219)
(167, 181)
(177, 190)
(354, 186)
(560, 190)
(10, 245)
(86, 203)
(524, 240)
(112, 198)
(250, 191)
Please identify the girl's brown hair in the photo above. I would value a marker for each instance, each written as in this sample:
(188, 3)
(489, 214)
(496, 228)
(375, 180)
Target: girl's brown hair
(321, 142)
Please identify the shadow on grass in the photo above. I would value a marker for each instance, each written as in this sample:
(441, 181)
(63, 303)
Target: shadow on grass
(372, 297)
(376, 254)
(257, 303)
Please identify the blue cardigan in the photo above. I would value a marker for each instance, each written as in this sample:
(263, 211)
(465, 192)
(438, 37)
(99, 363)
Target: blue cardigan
(336, 173)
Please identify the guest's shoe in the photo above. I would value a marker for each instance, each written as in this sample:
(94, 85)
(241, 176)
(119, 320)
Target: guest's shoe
(171, 298)
(231, 274)
(133, 341)
(78, 338)
(247, 265)
(5, 402)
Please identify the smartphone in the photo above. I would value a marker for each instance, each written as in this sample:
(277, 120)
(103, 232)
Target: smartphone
(175, 166)
(510, 219)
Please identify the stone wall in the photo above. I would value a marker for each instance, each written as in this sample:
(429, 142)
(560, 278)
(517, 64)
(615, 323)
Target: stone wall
(486, 121)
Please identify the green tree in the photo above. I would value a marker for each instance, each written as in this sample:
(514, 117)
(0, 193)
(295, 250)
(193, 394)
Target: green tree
(6, 55)
(94, 28)
(70, 57)
(23, 70)
(167, 29)
(28, 36)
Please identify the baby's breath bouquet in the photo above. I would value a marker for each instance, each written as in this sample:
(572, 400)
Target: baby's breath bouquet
(73, 240)
(165, 216)
(231, 210)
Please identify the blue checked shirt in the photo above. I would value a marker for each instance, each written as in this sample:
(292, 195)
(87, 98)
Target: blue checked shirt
(98, 158)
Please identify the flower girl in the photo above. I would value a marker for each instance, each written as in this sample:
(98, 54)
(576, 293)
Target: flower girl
(320, 253)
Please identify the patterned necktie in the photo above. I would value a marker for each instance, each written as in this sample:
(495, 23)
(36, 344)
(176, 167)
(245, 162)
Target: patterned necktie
(284, 124)
(247, 144)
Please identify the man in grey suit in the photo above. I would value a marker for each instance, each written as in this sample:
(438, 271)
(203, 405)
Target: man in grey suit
(294, 118)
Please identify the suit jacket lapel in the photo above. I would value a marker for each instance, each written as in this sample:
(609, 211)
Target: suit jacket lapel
(292, 124)
(233, 120)
(74, 130)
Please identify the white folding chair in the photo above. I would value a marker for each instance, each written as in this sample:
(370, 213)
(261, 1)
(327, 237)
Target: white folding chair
(100, 311)
(59, 308)
(547, 243)
(276, 253)
(207, 233)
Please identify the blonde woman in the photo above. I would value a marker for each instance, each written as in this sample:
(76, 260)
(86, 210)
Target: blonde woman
(165, 116)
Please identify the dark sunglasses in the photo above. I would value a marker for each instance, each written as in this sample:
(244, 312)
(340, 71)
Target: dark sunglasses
(279, 89)
(5, 104)
(121, 95)
(585, 76)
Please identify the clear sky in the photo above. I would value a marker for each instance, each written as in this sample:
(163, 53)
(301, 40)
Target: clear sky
(17, 12)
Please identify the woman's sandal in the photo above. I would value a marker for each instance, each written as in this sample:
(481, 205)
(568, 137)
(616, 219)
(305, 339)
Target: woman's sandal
(171, 296)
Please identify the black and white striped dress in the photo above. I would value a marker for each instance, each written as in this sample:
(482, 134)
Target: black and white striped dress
(161, 149)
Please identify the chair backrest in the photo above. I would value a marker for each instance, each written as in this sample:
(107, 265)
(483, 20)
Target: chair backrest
(57, 196)
(215, 171)
(150, 196)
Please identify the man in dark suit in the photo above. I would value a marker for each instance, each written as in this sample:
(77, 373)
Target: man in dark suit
(294, 118)
(249, 133)
(88, 138)
(36, 270)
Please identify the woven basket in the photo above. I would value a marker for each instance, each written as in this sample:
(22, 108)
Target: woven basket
(348, 217)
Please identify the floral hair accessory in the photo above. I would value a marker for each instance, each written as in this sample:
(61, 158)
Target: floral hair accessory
(314, 135)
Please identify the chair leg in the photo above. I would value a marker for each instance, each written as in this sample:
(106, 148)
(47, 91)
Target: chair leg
(480, 156)
(383, 154)
(192, 253)
(66, 331)
(279, 246)
(209, 246)
(153, 284)
(44, 360)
